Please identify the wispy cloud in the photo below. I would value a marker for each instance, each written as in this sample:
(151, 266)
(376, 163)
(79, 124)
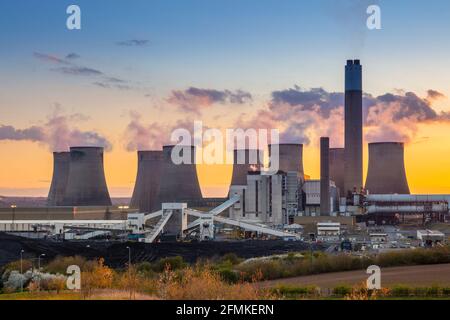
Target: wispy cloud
(78, 71)
(72, 56)
(49, 58)
(67, 67)
(58, 133)
(133, 43)
(193, 99)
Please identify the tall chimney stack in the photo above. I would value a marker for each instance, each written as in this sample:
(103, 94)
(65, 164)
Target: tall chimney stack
(325, 176)
(353, 127)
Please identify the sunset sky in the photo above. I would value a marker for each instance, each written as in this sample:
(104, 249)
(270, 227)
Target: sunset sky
(140, 68)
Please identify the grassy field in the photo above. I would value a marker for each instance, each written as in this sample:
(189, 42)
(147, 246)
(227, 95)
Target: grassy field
(68, 295)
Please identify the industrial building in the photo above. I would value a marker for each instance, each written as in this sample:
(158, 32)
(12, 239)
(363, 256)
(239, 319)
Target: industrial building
(311, 189)
(328, 231)
(430, 238)
(268, 199)
(386, 173)
(86, 183)
(148, 180)
(245, 160)
(337, 167)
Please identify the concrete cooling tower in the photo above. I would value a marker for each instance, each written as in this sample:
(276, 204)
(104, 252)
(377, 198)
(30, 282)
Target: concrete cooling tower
(386, 173)
(337, 156)
(146, 188)
(290, 157)
(353, 127)
(179, 182)
(243, 164)
(61, 161)
(86, 185)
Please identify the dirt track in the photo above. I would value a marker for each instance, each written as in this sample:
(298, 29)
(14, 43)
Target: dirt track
(416, 276)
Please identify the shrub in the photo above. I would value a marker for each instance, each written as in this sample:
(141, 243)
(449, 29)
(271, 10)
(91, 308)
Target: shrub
(400, 291)
(145, 269)
(60, 264)
(101, 277)
(15, 281)
(292, 291)
(229, 275)
(174, 263)
(232, 258)
(203, 283)
(342, 290)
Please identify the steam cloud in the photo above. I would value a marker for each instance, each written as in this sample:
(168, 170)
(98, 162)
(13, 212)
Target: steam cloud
(58, 133)
(152, 136)
(304, 115)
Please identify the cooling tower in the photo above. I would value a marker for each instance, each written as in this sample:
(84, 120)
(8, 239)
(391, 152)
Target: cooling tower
(324, 176)
(290, 157)
(179, 182)
(353, 127)
(386, 173)
(61, 162)
(245, 160)
(148, 178)
(86, 185)
(337, 161)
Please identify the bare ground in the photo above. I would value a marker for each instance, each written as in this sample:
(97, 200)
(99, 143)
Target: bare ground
(415, 276)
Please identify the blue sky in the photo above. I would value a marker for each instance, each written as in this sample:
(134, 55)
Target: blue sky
(257, 44)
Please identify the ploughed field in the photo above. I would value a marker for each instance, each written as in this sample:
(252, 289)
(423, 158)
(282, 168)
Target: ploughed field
(116, 253)
(414, 276)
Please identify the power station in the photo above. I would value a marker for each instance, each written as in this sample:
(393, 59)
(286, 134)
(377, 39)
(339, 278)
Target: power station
(167, 198)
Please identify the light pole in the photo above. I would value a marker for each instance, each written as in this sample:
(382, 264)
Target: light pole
(13, 207)
(39, 269)
(129, 257)
(129, 270)
(21, 269)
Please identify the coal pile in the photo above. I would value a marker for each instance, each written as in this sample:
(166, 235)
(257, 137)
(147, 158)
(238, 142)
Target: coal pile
(116, 253)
